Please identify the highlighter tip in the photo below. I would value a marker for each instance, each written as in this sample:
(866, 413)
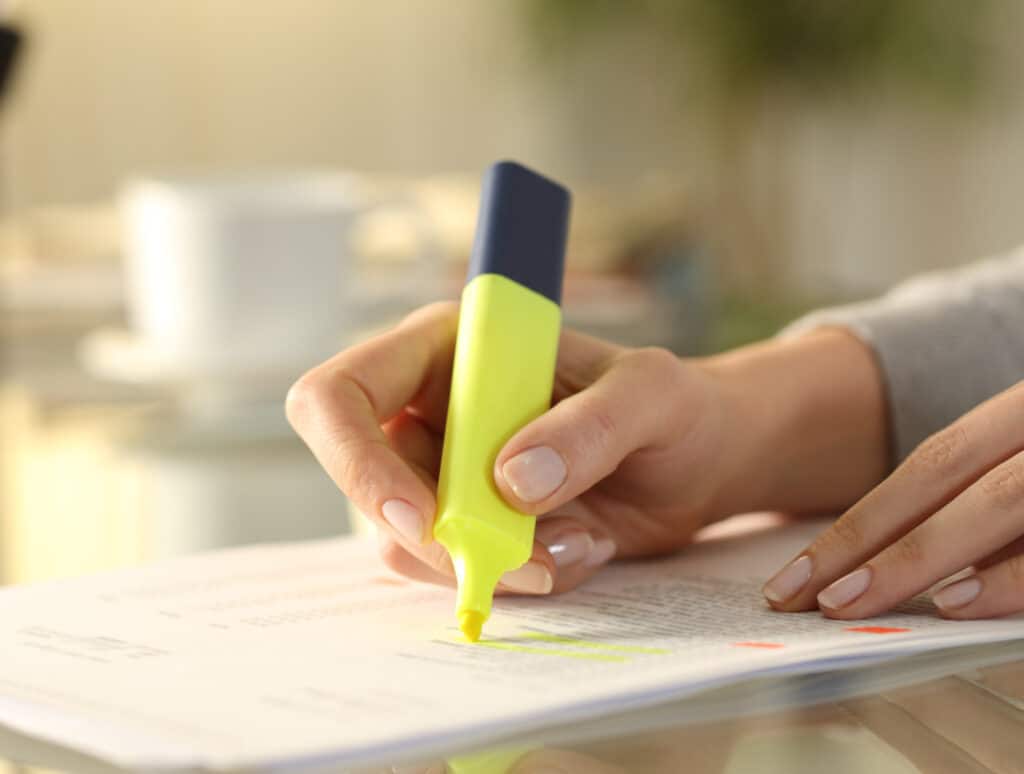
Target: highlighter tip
(471, 623)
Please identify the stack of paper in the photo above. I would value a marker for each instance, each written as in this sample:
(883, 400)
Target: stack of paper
(312, 654)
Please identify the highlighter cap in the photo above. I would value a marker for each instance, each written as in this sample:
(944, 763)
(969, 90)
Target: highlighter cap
(522, 229)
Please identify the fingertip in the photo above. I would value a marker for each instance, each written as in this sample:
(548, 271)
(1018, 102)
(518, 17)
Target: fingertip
(405, 518)
(842, 614)
(508, 494)
(604, 551)
(302, 401)
(399, 496)
(505, 489)
(536, 577)
(444, 312)
(773, 604)
(791, 606)
(430, 565)
(956, 600)
(789, 582)
(531, 479)
(576, 552)
(573, 577)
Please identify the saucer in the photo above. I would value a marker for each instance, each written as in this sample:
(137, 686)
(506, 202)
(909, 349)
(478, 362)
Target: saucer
(208, 401)
(122, 355)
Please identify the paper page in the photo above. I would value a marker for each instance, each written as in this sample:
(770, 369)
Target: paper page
(313, 653)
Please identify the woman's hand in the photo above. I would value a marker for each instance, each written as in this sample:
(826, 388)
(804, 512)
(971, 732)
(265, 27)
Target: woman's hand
(956, 503)
(625, 463)
(639, 450)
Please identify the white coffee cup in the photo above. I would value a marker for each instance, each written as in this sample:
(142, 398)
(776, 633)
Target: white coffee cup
(247, 275)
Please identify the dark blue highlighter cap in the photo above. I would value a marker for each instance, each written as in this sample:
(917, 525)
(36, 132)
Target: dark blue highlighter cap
(522, 229)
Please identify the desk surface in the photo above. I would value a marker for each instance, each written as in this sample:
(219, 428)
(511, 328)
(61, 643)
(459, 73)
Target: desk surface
(968, 719)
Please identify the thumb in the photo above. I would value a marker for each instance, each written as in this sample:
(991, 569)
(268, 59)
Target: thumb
(583, 439)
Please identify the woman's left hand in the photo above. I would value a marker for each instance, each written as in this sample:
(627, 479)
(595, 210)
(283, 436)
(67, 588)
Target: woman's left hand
(956, 503)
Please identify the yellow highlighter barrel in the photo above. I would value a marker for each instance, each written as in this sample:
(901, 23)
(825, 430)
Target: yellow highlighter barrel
(502, 378)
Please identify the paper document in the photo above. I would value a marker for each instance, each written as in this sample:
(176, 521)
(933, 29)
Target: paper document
(314, 654)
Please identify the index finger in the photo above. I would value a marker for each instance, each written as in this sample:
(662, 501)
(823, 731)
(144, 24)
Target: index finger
(338, 407)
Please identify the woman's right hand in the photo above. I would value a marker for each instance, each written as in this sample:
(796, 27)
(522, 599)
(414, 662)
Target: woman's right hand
(639, 450)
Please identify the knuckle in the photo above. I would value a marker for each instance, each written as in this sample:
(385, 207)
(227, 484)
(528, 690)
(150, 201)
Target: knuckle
(603, 421)
(337, 393)
(301, 399)
(656, 362)
(939, 455)
(438, 310)
(657, 386)
(846, 535)
(323, 393)
(347, 383)
(599, 426)
(1003, 489)
(909, 549)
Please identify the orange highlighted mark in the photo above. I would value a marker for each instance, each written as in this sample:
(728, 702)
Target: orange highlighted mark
(769, 645)
(876, 629)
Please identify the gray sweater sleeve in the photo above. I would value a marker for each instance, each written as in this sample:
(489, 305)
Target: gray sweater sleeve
(945, 342)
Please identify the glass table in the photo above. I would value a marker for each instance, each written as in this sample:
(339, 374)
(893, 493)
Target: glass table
(958, 711)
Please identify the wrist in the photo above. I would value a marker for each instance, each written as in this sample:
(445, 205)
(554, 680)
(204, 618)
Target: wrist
(805, 426)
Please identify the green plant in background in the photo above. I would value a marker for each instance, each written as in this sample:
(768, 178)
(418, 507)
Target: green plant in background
(752, 67)
(746, 47)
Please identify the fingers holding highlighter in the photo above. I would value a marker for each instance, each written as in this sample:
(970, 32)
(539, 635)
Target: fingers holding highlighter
(373, 416)
(600, 469)
(641, 449)
(376, 418)
(628, 452)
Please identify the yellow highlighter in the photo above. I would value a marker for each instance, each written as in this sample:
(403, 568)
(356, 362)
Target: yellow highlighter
(502, 378)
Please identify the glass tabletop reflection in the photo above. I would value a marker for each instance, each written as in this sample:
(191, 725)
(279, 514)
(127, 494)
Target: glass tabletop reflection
(956, 711)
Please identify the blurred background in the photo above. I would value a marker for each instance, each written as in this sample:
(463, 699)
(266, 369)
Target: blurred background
(203, 198)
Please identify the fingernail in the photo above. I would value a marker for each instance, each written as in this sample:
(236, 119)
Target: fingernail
(789, 580)
(404, 518)
(601, 553)
(535, 473)
(531, 578)
(846, 589)
(568, 547)
(959, 594)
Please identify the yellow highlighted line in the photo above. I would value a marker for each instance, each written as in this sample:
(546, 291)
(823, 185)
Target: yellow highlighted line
(552, 652)
(541, 636)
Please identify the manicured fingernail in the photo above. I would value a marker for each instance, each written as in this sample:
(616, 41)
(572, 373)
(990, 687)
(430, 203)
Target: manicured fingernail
(959, 594)
(601, 553)
(535, 473)
(531, 578)
(789, 580)
(846, 589)
(568, 546)
(404, 518)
